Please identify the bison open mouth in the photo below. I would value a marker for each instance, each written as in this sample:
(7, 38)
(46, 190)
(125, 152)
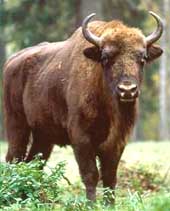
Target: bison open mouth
(127, 100)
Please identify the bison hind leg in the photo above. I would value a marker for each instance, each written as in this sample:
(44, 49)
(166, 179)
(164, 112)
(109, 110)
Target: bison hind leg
(18, 133)
(41, 144)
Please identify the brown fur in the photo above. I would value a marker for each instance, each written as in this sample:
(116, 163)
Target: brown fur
(55, 93)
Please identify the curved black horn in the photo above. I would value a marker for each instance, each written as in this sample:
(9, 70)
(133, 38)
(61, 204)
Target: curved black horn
(87, 34)
(158, 32)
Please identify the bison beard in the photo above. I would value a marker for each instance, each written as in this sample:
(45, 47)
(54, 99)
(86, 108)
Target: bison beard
(72, 93)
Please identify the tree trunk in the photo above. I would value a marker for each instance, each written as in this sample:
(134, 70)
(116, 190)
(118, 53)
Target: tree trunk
(88, 7)
(2, 60)
(163, 76)
(78, 14)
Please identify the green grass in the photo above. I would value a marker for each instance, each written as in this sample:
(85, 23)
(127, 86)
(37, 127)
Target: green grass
(143, 182)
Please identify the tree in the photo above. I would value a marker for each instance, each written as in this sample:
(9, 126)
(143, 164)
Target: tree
(28, 22)
(31, 22)
(163, 75)
(2, 59)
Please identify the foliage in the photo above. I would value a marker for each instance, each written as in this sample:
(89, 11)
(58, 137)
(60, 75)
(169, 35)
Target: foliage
(25, 186)
(140, 178)
(25, 23)
(31, 22)
(24, 183)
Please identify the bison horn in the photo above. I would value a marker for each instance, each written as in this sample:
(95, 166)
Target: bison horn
(157, 33)
(87, 34)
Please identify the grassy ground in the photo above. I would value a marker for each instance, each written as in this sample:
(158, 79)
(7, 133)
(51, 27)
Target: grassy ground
(143, 181)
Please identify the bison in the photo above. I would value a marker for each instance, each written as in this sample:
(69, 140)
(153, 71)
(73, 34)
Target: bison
(81, 92)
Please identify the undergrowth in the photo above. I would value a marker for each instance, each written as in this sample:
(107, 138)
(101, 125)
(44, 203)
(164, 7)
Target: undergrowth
(25, 183)
(26, 186)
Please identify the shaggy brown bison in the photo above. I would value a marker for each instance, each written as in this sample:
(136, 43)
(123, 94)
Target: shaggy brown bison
(81, 92)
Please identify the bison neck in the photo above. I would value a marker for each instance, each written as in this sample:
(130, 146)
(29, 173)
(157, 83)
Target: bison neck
(127, 117)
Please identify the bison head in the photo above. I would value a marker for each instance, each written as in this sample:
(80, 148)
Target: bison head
(123, 52)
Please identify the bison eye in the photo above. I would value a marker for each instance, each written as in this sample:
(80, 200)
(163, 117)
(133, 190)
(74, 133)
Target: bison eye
(143, 61)
(141, 58)
(104, 58)
(109, 52)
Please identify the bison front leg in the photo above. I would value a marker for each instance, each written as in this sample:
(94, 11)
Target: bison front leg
(86, 159)
(109, 160)
(87, 166)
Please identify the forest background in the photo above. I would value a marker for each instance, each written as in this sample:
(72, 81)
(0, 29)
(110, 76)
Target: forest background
(26, 23)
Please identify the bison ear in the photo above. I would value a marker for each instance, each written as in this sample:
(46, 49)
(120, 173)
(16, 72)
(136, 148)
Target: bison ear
(154, 51)
(93, 53)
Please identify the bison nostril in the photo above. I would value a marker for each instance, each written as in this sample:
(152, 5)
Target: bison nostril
(122, 94)
(133, 94)
(134, 89)
(121, 89)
